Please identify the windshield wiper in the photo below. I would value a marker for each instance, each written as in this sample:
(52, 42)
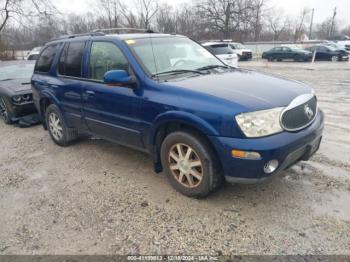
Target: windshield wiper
(177, 71)
(212, 67)
(6, 79)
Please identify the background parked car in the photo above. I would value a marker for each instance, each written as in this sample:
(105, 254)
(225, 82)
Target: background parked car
(342, 40)
(335, 45)
(329, 53)
(16, 98)
(34, 53)
(223, 51)
(284, 52)
(242, 52)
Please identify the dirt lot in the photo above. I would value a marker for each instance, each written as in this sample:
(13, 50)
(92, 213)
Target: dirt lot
(99, 198)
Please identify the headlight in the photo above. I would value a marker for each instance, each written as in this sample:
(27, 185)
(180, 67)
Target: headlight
(17, 99)
(260, 123)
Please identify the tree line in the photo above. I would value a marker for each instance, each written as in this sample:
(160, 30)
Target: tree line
(28, 23)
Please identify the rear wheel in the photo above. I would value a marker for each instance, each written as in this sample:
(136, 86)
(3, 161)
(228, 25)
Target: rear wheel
(190, 164)
(58, 130)
(5, 113)
(270, 58)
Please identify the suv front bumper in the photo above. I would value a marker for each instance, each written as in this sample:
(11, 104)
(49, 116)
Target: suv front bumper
(286, 147)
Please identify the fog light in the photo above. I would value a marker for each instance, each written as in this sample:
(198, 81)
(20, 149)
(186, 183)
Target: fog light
(245, 154)
(271, 166)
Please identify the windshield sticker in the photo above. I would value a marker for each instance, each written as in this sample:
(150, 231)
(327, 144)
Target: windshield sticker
(130, 42)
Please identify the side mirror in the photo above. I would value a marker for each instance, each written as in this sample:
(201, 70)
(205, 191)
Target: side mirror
(118, 78)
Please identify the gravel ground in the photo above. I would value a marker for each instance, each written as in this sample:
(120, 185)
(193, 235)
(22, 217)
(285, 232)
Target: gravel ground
(99, 198)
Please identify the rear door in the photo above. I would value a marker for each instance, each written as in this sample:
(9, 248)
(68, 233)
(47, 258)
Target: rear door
(110, 111)
(69, 83)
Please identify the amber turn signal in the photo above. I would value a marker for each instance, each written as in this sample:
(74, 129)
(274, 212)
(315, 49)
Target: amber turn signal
(245, 154)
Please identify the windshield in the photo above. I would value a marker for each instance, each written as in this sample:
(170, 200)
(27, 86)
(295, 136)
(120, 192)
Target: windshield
(237, 45)
(332, 48)
(171, 53)
(23, 71)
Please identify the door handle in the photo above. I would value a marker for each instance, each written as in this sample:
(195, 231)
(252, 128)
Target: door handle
(90, 93)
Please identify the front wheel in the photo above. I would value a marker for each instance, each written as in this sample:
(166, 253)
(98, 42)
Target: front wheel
(5, 113)
(334, 58)
(58, 130)
(190, 164)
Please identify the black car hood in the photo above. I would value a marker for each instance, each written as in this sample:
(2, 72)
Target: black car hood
(247, 88)
(15, 86)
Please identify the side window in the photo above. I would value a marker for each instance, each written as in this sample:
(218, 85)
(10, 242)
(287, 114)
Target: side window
(105, 56)
(46, 58)
(71, 59)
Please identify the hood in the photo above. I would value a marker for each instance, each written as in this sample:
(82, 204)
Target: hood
(252, 90)
(16, 85)
(244, 50)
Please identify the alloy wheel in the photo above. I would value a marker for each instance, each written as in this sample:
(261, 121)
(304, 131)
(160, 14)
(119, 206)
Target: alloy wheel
(334, 58)
(55, 126)
(185, 165)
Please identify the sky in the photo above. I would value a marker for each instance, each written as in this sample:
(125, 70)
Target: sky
(323, 8)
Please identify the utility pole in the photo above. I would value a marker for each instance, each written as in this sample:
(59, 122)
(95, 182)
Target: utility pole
(333, 22)
(312, 20)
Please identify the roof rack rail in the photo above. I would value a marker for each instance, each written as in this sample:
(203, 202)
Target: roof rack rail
(117, 29)
(77, 35)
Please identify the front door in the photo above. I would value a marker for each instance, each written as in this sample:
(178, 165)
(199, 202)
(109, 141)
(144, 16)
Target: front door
(110, 111)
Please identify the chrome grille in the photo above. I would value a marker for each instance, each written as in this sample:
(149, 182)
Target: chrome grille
(300, 113)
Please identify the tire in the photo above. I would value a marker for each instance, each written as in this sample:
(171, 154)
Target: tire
(270, 58)
(58, 130)
(205, 174)
(5, 113)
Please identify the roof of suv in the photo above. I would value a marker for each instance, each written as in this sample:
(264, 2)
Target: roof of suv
(118, 36)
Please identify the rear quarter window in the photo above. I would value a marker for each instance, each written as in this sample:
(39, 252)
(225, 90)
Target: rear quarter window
(45, 60)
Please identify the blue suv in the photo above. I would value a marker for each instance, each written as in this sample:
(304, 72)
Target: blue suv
(201, 121)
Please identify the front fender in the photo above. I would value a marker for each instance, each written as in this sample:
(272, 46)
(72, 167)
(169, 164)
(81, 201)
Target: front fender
(180, 117)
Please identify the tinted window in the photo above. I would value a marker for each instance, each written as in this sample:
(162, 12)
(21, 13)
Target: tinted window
(221, 49)
(71, 59)
(277, 49)
(105, 56)
(46, 58)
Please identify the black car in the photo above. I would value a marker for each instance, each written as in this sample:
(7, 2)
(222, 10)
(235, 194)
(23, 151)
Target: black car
(284, 52)
(16, 98)
(329, 53)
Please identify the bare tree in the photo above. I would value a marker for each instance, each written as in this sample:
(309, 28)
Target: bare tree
(323, 29)
(166, 19)
(277, 23)
(300, 23)
(111, 11)
(257, 23)
(147, 9)
(225, 16)
(23, 10)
